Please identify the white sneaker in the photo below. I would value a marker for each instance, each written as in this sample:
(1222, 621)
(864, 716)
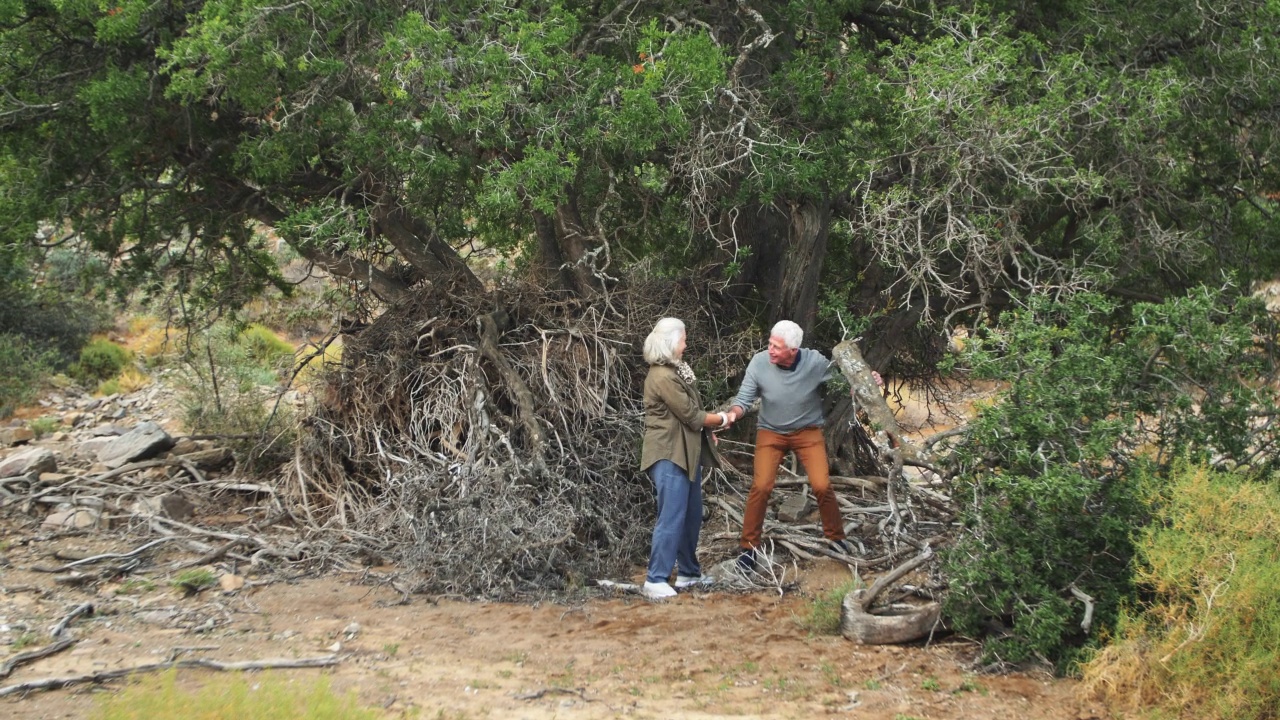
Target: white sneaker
(657, 590)
(691, 581)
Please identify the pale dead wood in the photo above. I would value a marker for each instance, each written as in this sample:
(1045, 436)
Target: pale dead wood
(106, 675)
(99, 558)
(32, 655)
(58, 629)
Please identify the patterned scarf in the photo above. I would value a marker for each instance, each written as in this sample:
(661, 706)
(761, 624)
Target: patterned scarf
(685, 372)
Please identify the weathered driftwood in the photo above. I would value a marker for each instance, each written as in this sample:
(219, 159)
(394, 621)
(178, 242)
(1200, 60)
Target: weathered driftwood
(901, 624)
(32, 655)
(105, 675)
(849, 359)
(895, 624)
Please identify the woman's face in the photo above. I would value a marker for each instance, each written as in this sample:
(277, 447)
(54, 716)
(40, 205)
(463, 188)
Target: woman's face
(680, 347)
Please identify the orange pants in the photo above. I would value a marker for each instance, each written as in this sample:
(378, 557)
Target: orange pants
(808, 445)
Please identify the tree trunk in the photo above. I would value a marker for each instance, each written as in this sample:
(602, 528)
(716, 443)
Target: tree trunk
(806, 249)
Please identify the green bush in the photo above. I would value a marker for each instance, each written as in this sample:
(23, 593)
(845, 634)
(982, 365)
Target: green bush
(1050, 472)
(101, 359)
(24, 369)
(222, 394)
(233, 697)
(266, 347)
(1203, 644)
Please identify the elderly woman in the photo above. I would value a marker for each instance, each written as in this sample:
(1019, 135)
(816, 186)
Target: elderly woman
(676, 446)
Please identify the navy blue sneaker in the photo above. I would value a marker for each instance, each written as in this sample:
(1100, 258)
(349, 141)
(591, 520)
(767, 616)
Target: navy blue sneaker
(747, 560)
(841, 547)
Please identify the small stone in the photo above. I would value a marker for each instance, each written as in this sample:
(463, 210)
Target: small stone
(351, 630)
(185, 446)
(231, 583)
(76, 518)
(53, 478)
(794, 507)
(146, 440)
(335, 647)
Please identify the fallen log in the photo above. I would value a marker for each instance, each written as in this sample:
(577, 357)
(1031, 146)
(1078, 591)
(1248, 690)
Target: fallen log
(105, 675)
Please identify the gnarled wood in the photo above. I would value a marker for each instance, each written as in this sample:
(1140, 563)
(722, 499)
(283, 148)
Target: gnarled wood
(903, 623)
(849, 359)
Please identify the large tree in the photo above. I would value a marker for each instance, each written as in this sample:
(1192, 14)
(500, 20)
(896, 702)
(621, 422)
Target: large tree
(893, 157)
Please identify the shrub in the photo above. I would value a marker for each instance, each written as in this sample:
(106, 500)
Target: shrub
(265, 347)
(222, 394)
(1050, 472)
(24, 368)
(1203, 645)
(232, 697)
(101, 359)
(44, 426)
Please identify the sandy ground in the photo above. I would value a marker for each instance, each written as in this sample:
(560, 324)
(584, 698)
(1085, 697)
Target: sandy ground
(700, 655)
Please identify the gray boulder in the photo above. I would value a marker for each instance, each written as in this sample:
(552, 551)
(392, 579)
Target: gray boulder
(145, 440)
(30, 460)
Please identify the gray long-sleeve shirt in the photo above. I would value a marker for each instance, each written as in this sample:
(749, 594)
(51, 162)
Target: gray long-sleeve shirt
(790, 400)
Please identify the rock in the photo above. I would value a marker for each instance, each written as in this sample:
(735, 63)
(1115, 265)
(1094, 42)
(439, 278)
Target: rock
(144, 441)
(89, 449)
(335, 647)
(185, 446)
(54, 478)
(36, 459)
(75, 518)
(209, 459)
(157, 617)
(794, 507)
(172, 505)
(108, 430)
(351, 630)
(231, 583)
(72, 419)
(59, 436)
(11, 436)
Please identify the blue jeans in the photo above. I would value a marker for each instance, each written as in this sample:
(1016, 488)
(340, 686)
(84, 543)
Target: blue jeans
(675, 536)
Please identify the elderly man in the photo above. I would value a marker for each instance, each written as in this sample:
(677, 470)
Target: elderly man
(788, 380)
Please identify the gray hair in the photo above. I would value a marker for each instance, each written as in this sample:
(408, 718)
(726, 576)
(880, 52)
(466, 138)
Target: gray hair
(660, 346)
(790, 333)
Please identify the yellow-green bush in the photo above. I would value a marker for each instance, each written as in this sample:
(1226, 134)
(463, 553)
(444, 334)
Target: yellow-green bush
(101, 359)
(234, 697)
(1204, 645)
(264, 346)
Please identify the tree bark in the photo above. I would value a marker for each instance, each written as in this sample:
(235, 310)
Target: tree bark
(806, 249)
(421, 247)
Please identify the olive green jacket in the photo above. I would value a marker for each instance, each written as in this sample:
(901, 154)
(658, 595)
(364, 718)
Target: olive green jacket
(673, 423)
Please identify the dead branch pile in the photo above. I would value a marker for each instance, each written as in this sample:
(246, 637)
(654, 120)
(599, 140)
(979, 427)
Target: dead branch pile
(491, 442)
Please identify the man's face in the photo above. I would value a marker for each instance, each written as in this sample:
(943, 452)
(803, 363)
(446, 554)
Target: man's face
(779, 353)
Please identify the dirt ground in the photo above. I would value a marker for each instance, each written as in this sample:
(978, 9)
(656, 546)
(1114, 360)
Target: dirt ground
(700, 655)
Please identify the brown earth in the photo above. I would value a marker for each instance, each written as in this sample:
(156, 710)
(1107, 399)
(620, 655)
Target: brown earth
(703, 655)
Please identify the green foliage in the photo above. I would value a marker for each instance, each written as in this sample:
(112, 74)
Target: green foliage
(44, 426)
(232, 697)
(194, 580)
(822, 613)
(230, 385)
(265, 347)
(1202, 641)
(101, 359)
(1096, 398)
(24, 368)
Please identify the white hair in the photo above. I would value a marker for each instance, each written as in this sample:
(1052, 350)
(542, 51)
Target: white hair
(790, 333)
(660, 346)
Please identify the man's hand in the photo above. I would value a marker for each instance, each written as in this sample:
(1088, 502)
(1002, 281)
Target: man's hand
(876, 376)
